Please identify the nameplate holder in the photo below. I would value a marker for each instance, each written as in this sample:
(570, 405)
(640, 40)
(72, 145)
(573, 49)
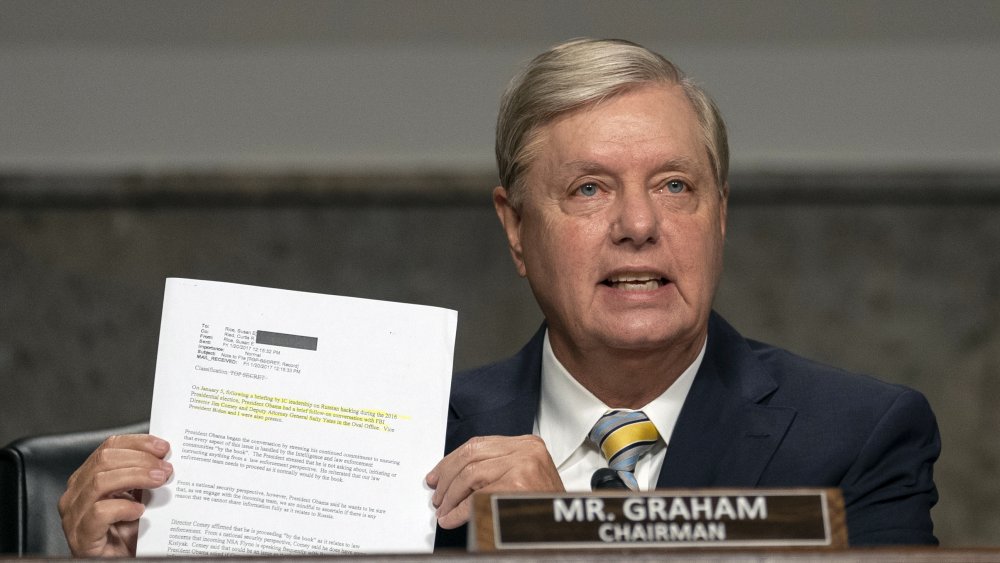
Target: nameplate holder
(667, 518)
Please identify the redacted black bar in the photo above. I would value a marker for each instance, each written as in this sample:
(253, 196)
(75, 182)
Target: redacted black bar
(287, 340)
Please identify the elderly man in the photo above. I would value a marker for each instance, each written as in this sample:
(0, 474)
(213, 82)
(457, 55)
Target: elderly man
(613, 171)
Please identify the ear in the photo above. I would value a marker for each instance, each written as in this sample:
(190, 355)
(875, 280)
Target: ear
(511, 221)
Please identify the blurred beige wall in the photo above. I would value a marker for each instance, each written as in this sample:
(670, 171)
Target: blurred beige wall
(414, 85)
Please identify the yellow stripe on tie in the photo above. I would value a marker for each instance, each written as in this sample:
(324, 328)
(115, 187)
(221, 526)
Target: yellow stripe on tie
(642, 431)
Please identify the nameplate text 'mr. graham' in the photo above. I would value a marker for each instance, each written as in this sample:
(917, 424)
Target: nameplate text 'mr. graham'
(715, 518)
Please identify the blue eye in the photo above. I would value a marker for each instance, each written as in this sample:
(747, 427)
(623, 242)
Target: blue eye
(588, 190)
(676, 186)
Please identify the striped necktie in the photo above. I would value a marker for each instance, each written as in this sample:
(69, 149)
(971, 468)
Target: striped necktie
(623, 437)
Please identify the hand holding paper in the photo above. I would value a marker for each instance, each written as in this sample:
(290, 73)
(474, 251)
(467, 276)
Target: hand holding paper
(99, 512)
(299, 423)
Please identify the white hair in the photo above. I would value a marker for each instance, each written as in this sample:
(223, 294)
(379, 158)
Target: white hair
(582, 72)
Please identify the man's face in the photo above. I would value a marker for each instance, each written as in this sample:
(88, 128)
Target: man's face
(621, 229)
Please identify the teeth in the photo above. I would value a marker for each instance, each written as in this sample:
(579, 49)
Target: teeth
(636, 277)
(635, 281)
(636, 285)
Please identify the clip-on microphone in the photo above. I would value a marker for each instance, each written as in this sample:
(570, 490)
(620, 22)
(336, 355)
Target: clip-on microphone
(606, 478)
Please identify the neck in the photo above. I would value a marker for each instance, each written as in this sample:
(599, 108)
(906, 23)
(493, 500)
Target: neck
(627, 378)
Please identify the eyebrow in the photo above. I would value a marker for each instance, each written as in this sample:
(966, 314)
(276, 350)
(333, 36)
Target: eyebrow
(681, 163)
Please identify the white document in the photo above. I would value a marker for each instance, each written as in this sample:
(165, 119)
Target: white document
(298, 423)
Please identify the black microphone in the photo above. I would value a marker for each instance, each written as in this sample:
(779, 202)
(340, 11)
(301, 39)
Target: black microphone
(606, 478)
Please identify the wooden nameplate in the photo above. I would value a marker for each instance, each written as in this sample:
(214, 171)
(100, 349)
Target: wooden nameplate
(667, 518)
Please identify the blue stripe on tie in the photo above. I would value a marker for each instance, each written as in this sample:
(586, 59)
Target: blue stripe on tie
(629, 479)
(612, 421)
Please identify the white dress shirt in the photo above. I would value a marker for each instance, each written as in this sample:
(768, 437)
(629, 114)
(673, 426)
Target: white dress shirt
(567, 411)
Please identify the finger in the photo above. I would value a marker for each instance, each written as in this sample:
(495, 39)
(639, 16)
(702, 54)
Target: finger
(117, 451)
(110, 471)
(142, 442)
(456, 516)
(432, 478)
(480, 449)
(120, 463)
(477, 476)
(500, 464)
(90, 536)
(147, 443)
(473, 451)
(106, 484)
(121, 451)
(526, 469)
(461, 512)
(489, 464)
(509, 473)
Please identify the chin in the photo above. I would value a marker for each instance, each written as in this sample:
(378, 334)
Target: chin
(651, 335)
(641, 341)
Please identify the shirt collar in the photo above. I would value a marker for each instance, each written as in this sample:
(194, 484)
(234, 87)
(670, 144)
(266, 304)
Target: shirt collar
(567, 411)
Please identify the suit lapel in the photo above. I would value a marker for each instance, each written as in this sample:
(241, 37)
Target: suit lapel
(516, 419)
(726, 433)
(500, 399)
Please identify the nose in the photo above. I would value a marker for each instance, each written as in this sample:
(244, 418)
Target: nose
(636, 220)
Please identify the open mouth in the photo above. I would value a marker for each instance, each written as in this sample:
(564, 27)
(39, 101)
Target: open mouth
(635, 282)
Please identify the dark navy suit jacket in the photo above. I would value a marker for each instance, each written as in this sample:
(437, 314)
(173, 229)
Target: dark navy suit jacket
(756, 416)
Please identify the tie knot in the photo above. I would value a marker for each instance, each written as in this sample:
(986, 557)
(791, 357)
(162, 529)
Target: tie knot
(623, 437)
